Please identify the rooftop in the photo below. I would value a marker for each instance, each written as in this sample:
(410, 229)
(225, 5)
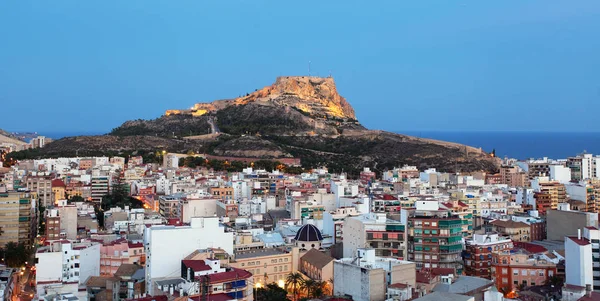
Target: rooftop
(463, 285)
(259, 253)
(444, 296)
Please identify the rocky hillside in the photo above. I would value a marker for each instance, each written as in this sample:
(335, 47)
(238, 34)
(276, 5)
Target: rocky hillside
(301, 117)
(316, 96)
(6, 137)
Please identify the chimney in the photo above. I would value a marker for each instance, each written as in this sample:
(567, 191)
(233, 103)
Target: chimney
(578, 233)
(588, 290)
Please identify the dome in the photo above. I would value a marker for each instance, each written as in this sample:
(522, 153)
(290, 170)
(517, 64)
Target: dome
(309, 232)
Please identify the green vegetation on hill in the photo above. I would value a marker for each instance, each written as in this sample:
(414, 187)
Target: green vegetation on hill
(252, 119)
(164, 126)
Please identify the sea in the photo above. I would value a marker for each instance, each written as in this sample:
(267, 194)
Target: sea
(519, 145)
(522, 145)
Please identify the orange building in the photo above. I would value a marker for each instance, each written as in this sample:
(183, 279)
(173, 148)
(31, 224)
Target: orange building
(516, 269)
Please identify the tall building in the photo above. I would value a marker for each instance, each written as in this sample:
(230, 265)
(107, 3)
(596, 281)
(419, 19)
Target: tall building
(565, 222)
(548, 194)
(584, 166)
(100, 187)
(582, 258)
(374, 230)
(434, 237)
(166, 246)
(18, 217)
(478, 253)
(42, 186)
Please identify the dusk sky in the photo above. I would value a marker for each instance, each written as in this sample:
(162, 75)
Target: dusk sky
(88, 66)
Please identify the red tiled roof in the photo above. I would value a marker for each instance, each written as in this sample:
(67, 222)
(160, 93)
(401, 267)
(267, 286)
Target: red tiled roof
(135, 245)
(388, 197)
(196, 265)
(399, 285)
(579, 241)
(591, 228)
(58, 183)
(460, 203)
(231, 275)
(529, 247)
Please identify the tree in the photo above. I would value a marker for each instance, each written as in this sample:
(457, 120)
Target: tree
(76, 198)
(313, 288)
(295, 282)
(16, 254)
(271, 292)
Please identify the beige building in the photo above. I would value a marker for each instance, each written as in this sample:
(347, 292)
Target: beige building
(317, 265)
(267, 265)
(517, 231)
(565, 222)
(42, 186)
(18, 218)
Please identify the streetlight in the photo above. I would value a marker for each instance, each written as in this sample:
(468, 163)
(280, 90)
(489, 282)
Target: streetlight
(257, 285)
(281, 283)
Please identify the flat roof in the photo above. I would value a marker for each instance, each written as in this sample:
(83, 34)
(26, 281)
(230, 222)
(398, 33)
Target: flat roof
(258, 253)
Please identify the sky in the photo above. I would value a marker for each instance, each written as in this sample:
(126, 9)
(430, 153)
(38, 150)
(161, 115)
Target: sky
(512, 65)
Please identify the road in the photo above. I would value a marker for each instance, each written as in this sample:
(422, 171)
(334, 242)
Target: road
(214, 129)
(27, 292)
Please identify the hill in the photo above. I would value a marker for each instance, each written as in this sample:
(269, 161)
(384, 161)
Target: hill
(6, 137)
(301, 117)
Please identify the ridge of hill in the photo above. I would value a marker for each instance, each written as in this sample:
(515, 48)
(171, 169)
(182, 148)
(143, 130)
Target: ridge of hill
(297, 116)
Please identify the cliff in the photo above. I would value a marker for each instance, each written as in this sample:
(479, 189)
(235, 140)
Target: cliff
(315, 96)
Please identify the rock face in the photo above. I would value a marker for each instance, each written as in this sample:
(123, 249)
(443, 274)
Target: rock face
(316, 96)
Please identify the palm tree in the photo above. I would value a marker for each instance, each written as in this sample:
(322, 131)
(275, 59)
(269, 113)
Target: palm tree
(295, 281)
(319, 288)
(309, 286)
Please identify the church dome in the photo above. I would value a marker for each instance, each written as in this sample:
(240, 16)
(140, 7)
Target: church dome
(309, 233)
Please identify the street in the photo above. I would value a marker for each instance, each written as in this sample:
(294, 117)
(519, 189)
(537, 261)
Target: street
(27, 292)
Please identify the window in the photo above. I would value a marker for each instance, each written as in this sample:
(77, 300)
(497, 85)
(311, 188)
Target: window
(504, 280)
(285, 267)
(516, 272)
(550, 273)
(524, 272)
(280, 260)
(541, 273)
(275, 269)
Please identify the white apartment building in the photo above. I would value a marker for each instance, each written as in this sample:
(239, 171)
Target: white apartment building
(166, 246)
(582, 258)
(366, 277)
(64, 262)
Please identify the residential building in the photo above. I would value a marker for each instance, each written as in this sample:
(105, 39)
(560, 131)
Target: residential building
(516, 231)
(366, 277)
(131, 280)
(333, 222)
(565, 222)
(18, 220)
(513, 270)
(64, 262)
(465, 285)
(374, 230)
(100, 187)
(42, 186)
(478, 253)
(119, 252)
(266, 265)
(582, 258)
(435, 237)
(162, 259)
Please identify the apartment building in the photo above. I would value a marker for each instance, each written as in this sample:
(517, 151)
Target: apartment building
(513, 270)
(478, 253)
(268, 265)
(18, 220)
(42, 186)
(434, 237)
(374, 230)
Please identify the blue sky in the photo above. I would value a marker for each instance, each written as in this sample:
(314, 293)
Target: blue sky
(88, 66)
